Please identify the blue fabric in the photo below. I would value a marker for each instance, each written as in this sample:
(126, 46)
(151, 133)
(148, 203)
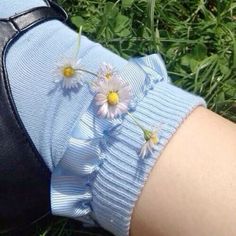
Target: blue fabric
(101, 175)
(11, 7)
(97, 174)
(48, 112)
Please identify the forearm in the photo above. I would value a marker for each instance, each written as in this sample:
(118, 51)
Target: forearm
(192, 188)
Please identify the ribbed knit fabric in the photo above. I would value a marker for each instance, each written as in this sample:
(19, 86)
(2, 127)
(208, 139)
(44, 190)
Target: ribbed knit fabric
(97, 174)
(11, 7)
(47, 111)
(101, 174)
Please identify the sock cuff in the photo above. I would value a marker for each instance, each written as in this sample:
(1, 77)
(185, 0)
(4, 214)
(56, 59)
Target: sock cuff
(101, 175)
(123, 173)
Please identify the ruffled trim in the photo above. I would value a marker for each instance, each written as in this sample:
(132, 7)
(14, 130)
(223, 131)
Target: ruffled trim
(152, 69)
(73, 178)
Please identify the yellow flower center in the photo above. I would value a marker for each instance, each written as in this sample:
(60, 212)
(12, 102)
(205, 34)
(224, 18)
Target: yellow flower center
(108, 75)
(68, 71)
(154, 139)
(151, 136)
(112, 98)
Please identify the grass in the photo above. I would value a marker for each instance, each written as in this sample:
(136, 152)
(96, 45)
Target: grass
(195, 37)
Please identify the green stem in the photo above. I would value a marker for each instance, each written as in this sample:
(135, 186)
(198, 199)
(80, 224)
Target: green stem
(89, 72)
(136, 122)
(79, 41)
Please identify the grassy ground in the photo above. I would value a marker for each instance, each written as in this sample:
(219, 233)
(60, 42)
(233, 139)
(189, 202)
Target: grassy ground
(195, 37)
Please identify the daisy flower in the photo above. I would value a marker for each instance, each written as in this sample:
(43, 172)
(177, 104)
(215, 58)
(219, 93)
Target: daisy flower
(69, 73)
(151, 139)
(106, 72)
(113, 97)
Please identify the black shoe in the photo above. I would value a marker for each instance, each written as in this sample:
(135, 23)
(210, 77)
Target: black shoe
(24, 177)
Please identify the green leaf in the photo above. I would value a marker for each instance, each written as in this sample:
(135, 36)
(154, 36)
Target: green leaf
(110, 11)
(194, 65)
(122, 25)
(127, 3)
(185, 60)
(199, 52)
(223, 65)
(77, 21)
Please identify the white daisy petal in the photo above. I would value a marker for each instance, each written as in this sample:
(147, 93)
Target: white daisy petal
(103, 111)
(101, 101)
(151, 139)
(57, 80)
(68, 72)
(78, 64)
(100, 96)
(143, 151)
(149, 146)
(106, 72)
(122, 107)
(115, 94)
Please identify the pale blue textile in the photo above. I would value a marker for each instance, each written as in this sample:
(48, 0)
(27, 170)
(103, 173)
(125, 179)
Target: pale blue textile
(11, 7)
(97, 174)
(101, 174)
(47, 111)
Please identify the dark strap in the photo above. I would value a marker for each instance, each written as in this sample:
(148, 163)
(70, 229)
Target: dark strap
(24, 178)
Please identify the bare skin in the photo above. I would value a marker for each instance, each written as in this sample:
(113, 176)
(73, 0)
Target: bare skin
(191, 190)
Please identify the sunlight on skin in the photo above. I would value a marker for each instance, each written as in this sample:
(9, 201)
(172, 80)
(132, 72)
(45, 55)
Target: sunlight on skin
(191, 190)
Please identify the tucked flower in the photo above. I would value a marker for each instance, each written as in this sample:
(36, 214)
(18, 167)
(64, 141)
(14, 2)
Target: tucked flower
(113, 97)
(151, 139)
(107, 72)
(69, 73)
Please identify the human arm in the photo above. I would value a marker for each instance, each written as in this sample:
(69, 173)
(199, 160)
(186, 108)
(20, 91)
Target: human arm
(192, 187)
